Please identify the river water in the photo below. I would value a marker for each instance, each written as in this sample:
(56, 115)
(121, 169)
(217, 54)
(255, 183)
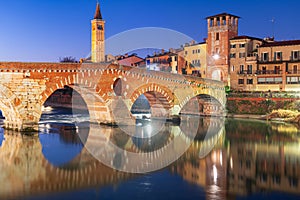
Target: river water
(203, 158)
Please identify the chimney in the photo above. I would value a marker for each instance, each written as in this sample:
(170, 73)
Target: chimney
(192, 42)
(162, 51)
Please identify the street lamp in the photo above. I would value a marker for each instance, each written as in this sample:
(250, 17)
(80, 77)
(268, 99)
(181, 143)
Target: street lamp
(218, 57)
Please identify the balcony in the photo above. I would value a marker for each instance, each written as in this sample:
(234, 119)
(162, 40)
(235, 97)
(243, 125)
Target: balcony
(244, 72)
(293, 72)
(260, 72)
(294, 59)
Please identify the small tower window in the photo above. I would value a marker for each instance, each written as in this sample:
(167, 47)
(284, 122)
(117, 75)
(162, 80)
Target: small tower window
(223, 20)
(211, 22)
(217, 36)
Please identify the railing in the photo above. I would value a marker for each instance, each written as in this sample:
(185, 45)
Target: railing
(244, 72)
(259, 72)
(294, 59)
(293, 72)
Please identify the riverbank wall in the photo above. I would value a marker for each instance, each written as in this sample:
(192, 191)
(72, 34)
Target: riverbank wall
(259, 105)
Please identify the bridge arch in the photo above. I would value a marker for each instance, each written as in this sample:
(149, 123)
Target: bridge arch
(94, 99)
(160, 98)
(203, 104)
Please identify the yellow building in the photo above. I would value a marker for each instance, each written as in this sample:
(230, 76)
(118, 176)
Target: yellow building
(195, 56)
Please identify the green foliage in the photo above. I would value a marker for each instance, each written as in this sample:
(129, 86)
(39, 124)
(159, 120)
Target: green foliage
(68, 59)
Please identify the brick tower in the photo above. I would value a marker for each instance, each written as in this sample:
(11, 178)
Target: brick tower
(221, 28)
(98, 37)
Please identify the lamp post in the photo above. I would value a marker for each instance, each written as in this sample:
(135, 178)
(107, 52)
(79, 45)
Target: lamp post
(218, 57)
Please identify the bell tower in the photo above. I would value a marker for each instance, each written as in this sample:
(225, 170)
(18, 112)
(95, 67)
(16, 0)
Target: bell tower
(221, 28)
(98, 37)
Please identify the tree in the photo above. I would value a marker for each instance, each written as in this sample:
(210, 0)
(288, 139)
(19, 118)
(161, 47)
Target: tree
(68, 59)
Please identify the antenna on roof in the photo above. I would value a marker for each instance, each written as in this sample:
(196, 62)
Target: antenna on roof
(273, 24)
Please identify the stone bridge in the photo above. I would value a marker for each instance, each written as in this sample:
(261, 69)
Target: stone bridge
(109, 91)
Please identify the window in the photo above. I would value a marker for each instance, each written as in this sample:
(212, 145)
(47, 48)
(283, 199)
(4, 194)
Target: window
(198, 50)
(277, 55)
(295, 55)
(232, 55)
(233, 46)
(241, 69)
(248, 164)
(242, 55)
(224, 20)
(211, 24)
(292, 80)
(249, 69)
(249, 81)
(276, 179)
(241, 81)
(217, 36)
(293, 182)
(242, 45)
(270, 80)
(232, 68)
(263, 177)
(277, 70)
(265, 56)
(218, 22)
(295, 69)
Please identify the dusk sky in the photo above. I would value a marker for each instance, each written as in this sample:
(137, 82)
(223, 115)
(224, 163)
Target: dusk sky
(44, 30)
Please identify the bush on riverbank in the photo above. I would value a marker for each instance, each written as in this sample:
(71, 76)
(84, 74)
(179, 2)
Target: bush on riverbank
(285, 115)
(259, 107)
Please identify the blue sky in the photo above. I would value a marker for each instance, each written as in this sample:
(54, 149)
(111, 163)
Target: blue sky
(44, 30)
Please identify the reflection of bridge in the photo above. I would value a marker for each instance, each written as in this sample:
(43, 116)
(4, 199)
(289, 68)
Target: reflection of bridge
(24, 87)
(25, 171)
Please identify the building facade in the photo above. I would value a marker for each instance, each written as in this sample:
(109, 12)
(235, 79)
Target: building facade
(242, 59)
(268, 66)
(195, 56)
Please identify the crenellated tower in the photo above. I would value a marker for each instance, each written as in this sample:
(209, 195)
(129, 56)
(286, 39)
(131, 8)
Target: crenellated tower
(221, 28)
(98, 37)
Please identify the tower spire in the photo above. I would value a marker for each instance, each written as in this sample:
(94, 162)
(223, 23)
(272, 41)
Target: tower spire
(98, 12)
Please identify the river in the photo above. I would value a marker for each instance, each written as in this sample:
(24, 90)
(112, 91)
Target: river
(203, 158)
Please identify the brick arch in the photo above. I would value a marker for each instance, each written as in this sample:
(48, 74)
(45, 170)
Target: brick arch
(203, 98)
(70, 81)
(11, 107)
(152, 88)
(88, 90)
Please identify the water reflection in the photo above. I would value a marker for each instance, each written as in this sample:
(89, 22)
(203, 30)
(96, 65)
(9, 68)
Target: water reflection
(247, 158)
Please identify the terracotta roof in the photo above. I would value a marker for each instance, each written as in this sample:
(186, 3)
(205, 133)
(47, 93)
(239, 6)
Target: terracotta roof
(281, 43)
(221, 15)
(98, 12)
(245, 37)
